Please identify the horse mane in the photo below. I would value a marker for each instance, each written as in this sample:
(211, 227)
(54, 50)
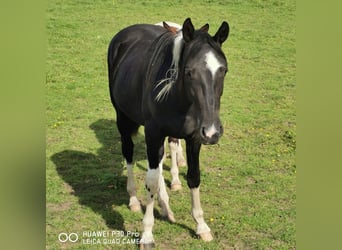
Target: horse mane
(167, 52)
(171, 74)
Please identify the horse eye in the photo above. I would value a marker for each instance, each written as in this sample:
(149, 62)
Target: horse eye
(188, 73)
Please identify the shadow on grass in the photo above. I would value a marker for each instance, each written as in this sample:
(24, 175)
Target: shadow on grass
(97, 179)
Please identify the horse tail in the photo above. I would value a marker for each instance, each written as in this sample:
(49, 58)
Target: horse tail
(111, 58)
(114, 58)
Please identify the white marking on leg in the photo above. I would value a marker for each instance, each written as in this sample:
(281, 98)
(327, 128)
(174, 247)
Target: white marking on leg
(152, 180)
(175, 183)
(163, 199)
(197, 212)
(180, 157)
(152, 185)
(210, 131)
(134, 203)
(148, 221)
(212, 63)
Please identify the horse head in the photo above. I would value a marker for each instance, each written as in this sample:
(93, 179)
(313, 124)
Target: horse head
(202, 70)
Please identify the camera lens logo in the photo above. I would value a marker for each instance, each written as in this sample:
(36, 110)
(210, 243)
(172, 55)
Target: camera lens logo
(64, 237)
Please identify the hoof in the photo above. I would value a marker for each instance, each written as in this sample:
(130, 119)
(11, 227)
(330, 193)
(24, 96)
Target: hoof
(176, 187)
(206, 236)
(181, 162)
(168, 214)
(171, 217)
(135, 208)
(146, 246)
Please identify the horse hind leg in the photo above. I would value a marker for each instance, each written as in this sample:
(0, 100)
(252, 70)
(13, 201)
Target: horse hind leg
(177, 148)
(181, 162)
(127, 128)
(163, 197)
(174, 148)
(134, 203)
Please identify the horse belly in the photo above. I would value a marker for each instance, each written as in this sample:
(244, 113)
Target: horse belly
(128, 89)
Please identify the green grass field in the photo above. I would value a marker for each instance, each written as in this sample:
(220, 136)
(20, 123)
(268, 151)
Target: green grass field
(248, 188)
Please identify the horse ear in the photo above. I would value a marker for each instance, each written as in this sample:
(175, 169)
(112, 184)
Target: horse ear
(166, 26)
(188, 30)
(205, 27)
(222, 33)
(169, 28)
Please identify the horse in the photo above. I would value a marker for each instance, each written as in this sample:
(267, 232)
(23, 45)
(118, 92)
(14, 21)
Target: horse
(172, 85)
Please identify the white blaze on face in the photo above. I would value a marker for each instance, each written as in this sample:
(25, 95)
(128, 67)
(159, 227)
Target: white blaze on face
(212, 63)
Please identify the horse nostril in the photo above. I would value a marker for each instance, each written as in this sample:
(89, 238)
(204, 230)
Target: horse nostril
(221, 129)
(203, 132)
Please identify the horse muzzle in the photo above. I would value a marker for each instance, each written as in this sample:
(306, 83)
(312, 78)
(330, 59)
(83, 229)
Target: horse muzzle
(211, 134)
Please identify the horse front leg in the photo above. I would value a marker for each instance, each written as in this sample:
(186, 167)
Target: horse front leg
(193, 180)
(154, 184)
(152, 187)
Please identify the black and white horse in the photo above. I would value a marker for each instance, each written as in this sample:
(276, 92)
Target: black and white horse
(171, 83)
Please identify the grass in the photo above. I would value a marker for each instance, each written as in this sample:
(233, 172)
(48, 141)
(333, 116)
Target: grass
(248, 180)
